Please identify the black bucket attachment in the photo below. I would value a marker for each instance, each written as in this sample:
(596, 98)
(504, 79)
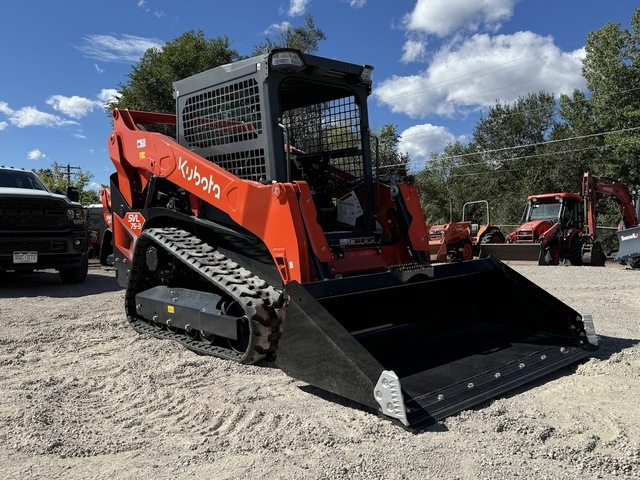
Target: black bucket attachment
(629, 241)
(422, 345)
(516, 252)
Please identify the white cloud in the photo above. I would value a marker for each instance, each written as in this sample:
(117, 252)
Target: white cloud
(74, 107)
(481, 70)
(4, 108)
(297, 7)
(108, 94)
(95, 186)
(276, 28)
(98, 68)
(358, 3)
(32, 117)
(413, 50)
(420, 141)
(442, 17)
(107, 48)
(156, 13)
(35, 154)
(78, 107)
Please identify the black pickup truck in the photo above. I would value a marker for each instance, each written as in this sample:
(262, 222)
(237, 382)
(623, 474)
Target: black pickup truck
(40, 229)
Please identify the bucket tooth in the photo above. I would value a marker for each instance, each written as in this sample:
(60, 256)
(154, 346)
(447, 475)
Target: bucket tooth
(388, 394)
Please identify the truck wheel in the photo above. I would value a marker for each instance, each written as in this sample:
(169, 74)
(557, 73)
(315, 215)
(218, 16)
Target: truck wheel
(76, 274)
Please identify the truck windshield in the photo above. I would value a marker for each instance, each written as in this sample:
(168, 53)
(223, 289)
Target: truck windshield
(18, 179)
(544, 211)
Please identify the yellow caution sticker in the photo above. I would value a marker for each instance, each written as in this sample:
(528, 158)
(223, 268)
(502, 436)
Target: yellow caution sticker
(171, 309)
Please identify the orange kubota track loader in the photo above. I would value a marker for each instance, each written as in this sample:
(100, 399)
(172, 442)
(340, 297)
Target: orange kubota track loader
(264, 231)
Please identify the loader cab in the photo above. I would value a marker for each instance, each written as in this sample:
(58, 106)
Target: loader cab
(286, 116)
(321, 107)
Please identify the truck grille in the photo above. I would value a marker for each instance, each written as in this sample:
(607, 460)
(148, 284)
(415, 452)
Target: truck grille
(32, 214)
(40, 246)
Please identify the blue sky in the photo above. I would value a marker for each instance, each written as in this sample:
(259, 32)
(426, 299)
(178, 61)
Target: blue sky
(439, 64)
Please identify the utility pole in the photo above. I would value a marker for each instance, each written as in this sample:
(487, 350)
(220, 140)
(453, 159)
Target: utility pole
(69, 168)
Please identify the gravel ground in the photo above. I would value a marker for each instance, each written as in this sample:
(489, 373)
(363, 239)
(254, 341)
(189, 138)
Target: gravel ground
(84, 396)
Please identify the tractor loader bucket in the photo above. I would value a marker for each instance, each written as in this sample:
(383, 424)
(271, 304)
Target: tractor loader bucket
(391, 343)
(516, 252)
(629, 241)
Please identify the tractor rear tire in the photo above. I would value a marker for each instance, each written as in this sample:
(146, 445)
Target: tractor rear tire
(575, 251)
(493, 236)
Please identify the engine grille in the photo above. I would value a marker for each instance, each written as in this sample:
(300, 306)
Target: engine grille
(525, 236)
(32, 214)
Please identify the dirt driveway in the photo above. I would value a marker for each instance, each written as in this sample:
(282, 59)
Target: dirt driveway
(84, 396)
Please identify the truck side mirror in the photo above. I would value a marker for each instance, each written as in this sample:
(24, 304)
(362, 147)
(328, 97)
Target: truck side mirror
(73, 194)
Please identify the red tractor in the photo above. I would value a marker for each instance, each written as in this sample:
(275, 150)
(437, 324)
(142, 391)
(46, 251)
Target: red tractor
(562, 226)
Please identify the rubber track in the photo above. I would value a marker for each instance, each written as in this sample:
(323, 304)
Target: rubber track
(262, 304)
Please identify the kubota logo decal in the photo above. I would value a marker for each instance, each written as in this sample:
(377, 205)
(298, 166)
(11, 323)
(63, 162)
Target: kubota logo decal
(191, 174)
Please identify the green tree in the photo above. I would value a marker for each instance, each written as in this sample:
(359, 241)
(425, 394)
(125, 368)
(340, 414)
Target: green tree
(575, 140)
(506, 160)
(612, 70)
(437, 193)
(58, 178)
(512, 137)
(385, 146)
(304, 38)
(150, 85)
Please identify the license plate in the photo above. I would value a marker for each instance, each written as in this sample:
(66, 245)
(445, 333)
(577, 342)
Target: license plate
(25, 257)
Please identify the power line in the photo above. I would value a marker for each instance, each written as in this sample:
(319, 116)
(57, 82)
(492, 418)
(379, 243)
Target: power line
(523, 157)
(582, 100)
(539, 144)
(516, 147)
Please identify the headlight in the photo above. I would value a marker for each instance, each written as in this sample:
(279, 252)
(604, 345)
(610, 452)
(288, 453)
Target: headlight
(76, 215)
(286, 60)
(367, 74)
